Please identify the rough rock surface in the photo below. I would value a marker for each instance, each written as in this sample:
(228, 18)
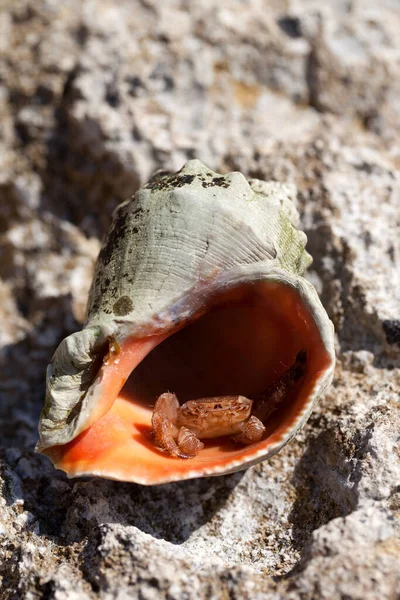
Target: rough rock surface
(94, 96)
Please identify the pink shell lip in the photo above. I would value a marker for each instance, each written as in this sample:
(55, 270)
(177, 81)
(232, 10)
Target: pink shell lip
(256, 331)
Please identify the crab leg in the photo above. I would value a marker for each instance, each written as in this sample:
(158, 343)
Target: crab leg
(178, 442)
(253, 431)
(267, 402)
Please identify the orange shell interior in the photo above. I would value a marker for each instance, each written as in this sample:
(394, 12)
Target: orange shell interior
(245, 340)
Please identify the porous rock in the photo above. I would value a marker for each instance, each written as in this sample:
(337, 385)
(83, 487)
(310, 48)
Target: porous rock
(95, 96)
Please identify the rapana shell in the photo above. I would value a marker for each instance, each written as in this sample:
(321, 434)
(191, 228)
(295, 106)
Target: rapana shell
(198, 291)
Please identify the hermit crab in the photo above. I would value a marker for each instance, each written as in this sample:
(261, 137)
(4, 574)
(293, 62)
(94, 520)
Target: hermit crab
(204, 348)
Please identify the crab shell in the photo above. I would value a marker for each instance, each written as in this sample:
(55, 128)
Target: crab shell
(198, 291)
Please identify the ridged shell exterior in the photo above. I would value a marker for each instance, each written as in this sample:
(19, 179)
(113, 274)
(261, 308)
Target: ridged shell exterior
(181, 238)
(185, 229)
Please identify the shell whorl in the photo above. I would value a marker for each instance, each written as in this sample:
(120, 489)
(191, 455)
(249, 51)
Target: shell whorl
(186, 228)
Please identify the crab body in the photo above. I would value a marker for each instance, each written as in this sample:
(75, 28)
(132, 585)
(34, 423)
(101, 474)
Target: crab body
(221, 416)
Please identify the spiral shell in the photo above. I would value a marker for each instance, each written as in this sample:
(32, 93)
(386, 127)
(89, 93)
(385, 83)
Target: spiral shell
(198, 289)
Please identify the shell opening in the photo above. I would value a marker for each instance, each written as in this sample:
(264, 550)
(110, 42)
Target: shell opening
(247, 338)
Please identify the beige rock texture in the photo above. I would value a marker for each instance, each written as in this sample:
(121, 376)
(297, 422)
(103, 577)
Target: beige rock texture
(95, 96)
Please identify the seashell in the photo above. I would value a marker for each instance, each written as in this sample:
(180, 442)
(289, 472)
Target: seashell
(198, 290)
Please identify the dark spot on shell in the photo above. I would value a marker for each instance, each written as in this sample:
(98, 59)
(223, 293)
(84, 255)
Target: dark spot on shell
(391, 327)
(216, 182)
(123, 306)
(166, 181)
(115, 235)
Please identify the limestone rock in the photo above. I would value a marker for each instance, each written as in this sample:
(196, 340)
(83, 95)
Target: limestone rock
(95, 96)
